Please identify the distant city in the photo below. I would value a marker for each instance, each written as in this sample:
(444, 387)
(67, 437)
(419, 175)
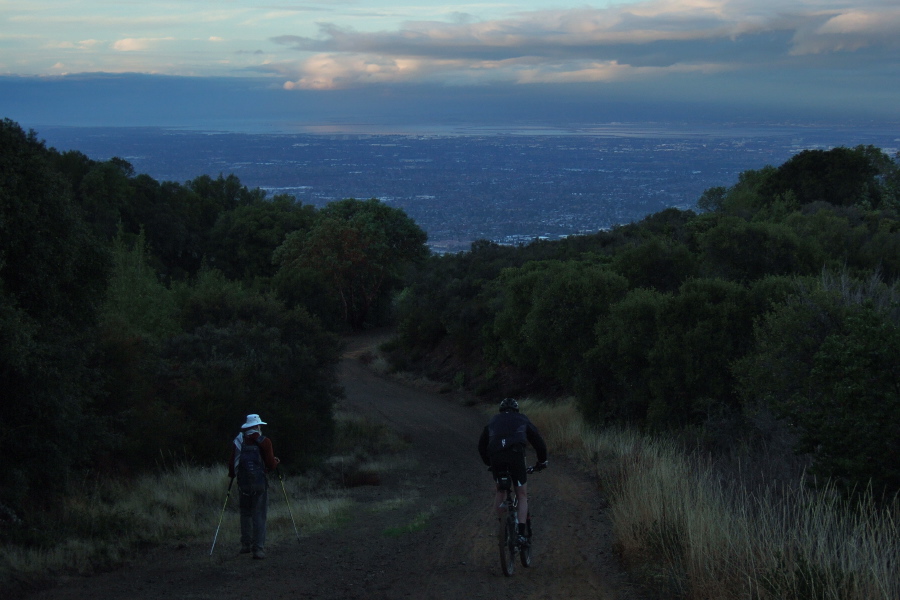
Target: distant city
(509, 186)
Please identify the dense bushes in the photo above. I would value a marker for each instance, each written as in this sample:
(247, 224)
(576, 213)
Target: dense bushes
(542, 308)
(52, 274)
(241, 350)
(826, 360)
(737, 250)
(234, 351)
(141, 321)
(699, 320)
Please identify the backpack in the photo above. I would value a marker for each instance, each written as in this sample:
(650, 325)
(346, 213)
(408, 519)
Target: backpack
(507, 431)
(251, 470)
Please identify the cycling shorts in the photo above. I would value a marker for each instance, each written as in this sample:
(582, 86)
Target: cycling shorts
(512, 460)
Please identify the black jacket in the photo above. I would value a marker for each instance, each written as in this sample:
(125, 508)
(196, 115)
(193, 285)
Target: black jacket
(508, 430)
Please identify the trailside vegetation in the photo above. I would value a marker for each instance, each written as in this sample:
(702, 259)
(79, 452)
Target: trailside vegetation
(693, 526)
(768, 315)
(140, 321)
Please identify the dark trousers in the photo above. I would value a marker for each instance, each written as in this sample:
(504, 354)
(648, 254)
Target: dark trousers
(254, 501)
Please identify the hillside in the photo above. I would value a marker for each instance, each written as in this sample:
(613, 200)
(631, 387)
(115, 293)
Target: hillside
(452, 556)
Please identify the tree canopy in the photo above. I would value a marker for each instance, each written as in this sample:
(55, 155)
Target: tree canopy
(138, 321)
(359, 248)
(52, 279)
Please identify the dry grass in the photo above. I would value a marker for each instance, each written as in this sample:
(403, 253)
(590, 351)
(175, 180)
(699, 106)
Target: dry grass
(102, 525)
(695, 535)
(677, 522)
(290, 505)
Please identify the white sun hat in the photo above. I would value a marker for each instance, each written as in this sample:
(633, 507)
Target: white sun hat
(252, 421)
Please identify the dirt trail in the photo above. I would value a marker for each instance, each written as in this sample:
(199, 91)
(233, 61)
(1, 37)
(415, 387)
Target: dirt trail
(454, 557)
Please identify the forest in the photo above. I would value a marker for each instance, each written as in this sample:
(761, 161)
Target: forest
(140, 320)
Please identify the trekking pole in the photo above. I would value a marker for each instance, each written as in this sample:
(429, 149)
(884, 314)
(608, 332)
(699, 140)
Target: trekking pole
(215, 537)
(288, 502)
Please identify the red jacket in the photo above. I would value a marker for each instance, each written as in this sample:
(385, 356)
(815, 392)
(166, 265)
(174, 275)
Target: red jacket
(265, 448)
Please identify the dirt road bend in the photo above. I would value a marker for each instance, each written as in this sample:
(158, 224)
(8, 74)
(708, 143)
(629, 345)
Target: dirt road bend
(443, 484)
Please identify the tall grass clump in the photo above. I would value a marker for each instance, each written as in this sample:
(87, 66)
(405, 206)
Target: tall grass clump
(102, 524)
(559, 423)
(692, 532)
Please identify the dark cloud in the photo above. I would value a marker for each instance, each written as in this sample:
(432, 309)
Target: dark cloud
(595, 44)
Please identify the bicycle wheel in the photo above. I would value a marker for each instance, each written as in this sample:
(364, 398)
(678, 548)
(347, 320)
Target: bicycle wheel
(507, 546)
(525, 551)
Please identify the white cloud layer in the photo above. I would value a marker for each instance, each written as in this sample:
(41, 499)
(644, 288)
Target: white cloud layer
(852, 30)
(596, 44)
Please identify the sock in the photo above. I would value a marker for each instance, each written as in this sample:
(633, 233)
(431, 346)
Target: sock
(522, 529)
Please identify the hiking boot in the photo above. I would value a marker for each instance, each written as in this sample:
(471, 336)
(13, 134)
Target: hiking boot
(245, 550)
(523, 541)
(259, 553)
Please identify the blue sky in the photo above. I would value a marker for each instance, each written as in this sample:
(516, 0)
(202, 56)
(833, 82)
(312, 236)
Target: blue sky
(78, 61)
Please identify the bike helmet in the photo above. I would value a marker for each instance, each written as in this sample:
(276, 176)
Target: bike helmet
(509, 404)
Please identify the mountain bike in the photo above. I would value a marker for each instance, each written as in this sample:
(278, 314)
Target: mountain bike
(508, 534)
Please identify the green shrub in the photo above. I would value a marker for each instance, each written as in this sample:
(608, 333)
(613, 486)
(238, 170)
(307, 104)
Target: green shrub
(657, 263)
(825, 359)
(743, 251)
(548, 313)
(242, 352)
(612, 386)
(663, 359)
(850, 411)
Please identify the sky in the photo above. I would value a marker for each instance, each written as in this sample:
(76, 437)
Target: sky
(178, 62)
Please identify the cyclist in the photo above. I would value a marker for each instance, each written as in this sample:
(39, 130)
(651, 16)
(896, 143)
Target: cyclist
(502, 447)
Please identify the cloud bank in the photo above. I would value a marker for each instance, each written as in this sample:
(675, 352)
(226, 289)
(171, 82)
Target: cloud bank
(589, 45)
(362, 59)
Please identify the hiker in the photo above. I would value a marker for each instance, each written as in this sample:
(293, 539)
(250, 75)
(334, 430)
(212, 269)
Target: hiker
(251, 458)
